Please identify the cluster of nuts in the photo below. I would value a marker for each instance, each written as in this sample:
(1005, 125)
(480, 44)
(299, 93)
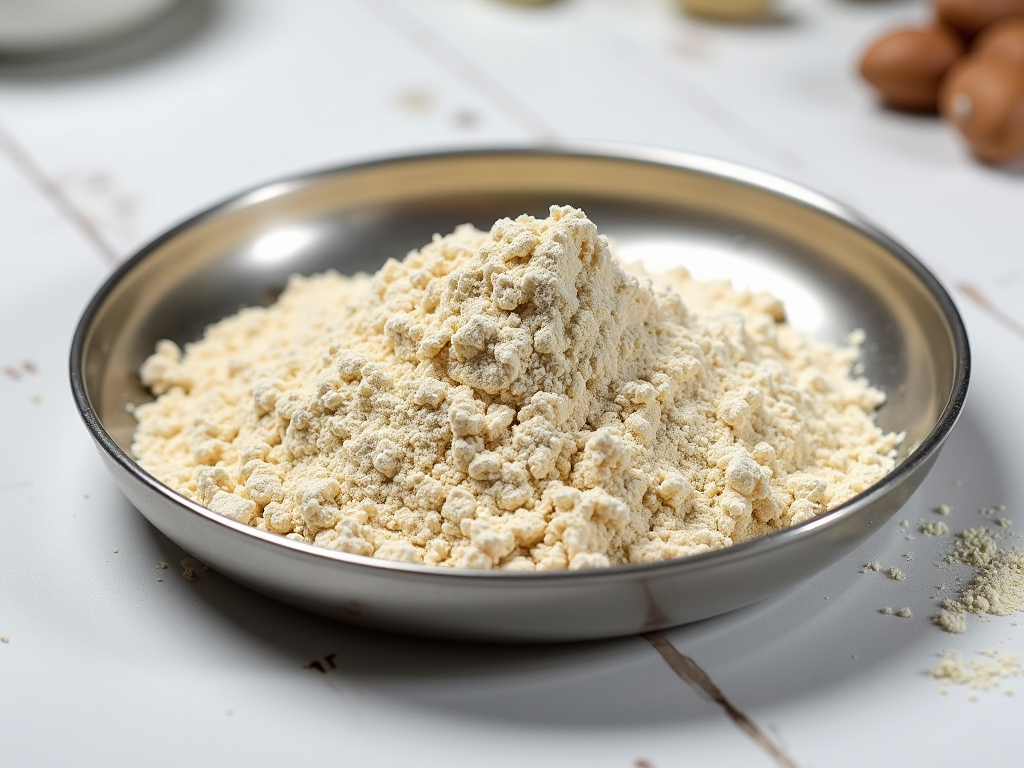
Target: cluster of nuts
(967, 65)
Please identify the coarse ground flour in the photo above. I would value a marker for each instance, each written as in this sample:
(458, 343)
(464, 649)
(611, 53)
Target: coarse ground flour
(979, 673)
(997, 587)
(513, 399)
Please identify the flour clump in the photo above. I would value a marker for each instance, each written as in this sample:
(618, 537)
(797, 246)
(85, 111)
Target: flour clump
(512, 399)
(997, 588)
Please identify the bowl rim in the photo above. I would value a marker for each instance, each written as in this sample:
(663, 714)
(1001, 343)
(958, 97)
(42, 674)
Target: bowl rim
(598, 151)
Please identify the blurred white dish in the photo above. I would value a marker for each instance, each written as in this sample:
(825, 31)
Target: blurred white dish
(30, 26)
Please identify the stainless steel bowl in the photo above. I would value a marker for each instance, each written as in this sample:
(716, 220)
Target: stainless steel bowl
(834, 270)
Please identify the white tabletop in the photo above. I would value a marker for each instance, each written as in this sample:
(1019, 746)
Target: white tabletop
(107, 660)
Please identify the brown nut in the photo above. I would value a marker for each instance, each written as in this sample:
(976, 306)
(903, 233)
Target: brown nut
(969, 17)
(906, 66)
(1002, 40)
(984, 99)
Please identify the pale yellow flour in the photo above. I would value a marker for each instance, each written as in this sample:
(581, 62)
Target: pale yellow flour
(981, 674)
(513, 399)
(997, 587)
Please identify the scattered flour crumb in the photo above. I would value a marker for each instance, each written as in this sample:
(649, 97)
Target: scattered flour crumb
(872, 566)
(161, 566)
(934, 528)
(902, 612)
(944, 509)
(188, 569)
(895, 573)
(4, 639)
(908, 556)
(976, 674)
(512, 399)
(997, 587)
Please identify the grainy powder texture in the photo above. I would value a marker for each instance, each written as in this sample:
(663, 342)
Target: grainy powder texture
(512, 399)
(998, 584)
(980, 674)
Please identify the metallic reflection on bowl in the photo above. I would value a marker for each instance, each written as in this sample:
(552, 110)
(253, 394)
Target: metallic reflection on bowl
(835, 272)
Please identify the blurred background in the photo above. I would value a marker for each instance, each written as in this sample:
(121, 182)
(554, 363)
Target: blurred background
(120, 118)
(140, 111)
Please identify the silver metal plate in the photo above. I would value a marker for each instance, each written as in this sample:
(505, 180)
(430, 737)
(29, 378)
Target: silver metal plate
(834, 271)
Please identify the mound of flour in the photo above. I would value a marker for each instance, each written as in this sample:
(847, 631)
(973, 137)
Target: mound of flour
(512, 399)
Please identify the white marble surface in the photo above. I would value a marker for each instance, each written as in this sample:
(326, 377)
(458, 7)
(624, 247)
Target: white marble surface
(103, 664)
